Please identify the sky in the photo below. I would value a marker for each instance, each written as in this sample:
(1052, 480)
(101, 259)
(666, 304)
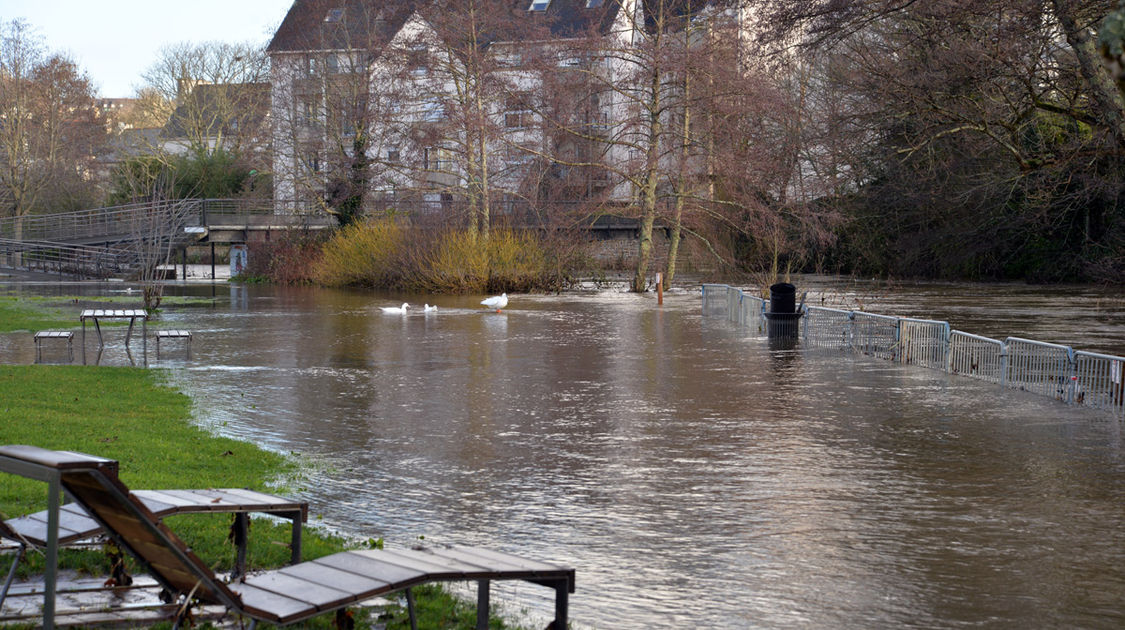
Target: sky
(115, 41)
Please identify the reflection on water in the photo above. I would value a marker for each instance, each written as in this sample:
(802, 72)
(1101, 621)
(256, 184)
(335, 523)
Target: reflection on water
(694, 477)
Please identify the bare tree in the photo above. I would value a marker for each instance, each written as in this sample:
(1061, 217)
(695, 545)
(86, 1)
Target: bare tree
(214, 95)
(988, 132)
(49, 124)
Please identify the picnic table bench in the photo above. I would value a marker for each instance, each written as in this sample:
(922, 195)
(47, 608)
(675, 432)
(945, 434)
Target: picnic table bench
(54, 334)
(132, 314)
(173, 334)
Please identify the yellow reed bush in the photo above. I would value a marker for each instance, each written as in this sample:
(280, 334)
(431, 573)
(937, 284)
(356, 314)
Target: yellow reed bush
(516, 260)
(366, 253)
(454, 263)
(458, 262)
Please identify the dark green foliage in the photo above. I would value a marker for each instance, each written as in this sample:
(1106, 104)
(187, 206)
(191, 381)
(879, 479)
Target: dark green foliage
(219, 175)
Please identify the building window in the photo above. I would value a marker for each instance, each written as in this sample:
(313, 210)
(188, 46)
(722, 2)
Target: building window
(432, 110)
(517, 111)
(334, 16)
(313, 164)
(593, 4)
(539, 5)
(307, 115)
(393, 155)
(417, 58)
(437, 159)
(332, 64)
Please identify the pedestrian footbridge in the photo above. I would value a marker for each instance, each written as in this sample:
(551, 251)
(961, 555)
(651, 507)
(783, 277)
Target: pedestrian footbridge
(119, 241)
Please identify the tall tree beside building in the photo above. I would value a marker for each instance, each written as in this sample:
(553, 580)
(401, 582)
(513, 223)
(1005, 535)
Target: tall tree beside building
(474, 103)
(50, 127)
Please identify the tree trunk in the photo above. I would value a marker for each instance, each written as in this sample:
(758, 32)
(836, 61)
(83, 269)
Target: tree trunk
(648, 193)
(1106, 99)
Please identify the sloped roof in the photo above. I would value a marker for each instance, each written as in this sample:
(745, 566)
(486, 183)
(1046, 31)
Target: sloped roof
(359, 24)
(339, 24)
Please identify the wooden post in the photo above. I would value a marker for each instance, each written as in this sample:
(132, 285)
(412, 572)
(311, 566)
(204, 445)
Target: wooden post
(659, 288)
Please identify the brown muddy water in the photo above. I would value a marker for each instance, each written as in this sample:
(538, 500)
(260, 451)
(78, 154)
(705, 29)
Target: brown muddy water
(694, 477)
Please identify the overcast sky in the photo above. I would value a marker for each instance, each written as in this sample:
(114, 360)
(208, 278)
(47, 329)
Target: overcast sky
(114, 41)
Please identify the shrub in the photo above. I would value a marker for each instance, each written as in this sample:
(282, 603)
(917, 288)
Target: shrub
(290, 259)
(367, 254)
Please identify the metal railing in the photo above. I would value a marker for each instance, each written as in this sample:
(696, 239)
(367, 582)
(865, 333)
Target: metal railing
(63, 259)
(1047, 369)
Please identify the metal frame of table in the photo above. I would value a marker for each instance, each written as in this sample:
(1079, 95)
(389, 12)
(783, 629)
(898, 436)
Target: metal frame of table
(133, 314)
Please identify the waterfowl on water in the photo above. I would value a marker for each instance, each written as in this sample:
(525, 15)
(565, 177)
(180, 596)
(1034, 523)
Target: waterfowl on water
(396, 309)
(497, 301)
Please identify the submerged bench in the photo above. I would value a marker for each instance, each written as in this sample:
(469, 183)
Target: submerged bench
(173, 334)
(54, 334)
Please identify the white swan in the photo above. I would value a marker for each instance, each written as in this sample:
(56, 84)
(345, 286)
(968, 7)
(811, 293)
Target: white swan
(396, 309)
(426, 308)
(497, 301)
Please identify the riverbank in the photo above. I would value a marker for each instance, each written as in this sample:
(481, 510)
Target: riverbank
(133, 416)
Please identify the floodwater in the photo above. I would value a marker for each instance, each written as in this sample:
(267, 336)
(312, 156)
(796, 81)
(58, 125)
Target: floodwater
(693, 476)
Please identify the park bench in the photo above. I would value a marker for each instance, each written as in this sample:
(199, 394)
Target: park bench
(54, 334)
(174, 334)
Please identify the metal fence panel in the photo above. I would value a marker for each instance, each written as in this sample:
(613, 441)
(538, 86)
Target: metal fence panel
(827, 328)
(1038, 367)
(976, 357)
(1057, 371)
(1099, 381)
(875, 335)
(924, 342)
(734, 304)
(715, 300)
(750, 314)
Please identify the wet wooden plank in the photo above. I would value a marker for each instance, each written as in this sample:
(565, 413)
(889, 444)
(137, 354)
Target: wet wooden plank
(314, 594)
(62, 460)
(169, 497)
(435, 566)
(360, 563)
(353, 583)
(255, 498)
(271, 606)
(74, 524)
(501, 560)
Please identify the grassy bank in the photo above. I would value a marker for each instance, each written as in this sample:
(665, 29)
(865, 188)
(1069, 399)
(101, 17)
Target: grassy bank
(22, 314)
(127, 414)
(32, 313)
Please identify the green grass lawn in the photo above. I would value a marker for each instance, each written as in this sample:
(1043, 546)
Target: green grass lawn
(130, 415)
(32, 313)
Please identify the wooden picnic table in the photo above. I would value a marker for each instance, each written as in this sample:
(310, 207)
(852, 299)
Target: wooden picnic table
(132, 314)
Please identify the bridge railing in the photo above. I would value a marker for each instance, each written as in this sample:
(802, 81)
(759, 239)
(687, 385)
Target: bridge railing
(116, 223)
(1047, 369)
(64, 259)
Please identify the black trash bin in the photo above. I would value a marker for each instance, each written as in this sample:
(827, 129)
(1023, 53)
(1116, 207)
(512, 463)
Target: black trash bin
(783, 317)
(783, 298)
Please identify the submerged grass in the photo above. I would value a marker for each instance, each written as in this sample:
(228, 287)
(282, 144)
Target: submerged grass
(131, 415)
(18, 314)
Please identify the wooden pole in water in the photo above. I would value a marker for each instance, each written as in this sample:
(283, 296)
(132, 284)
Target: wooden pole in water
(659, 288)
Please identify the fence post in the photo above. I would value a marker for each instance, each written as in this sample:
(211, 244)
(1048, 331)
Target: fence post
(1072, 377)
(1004, 363)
